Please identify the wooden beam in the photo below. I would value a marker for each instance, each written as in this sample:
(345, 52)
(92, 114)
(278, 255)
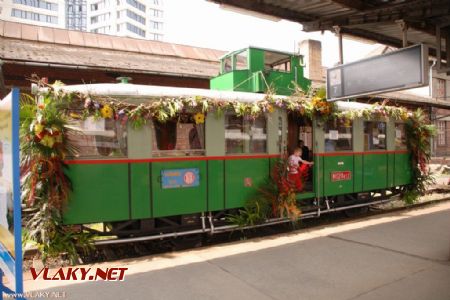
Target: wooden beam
(408, 12)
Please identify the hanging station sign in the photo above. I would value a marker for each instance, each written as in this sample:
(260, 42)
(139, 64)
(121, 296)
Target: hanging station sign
(398, 70)
(10, 209)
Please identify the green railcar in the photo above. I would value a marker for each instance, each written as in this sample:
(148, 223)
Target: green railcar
(183, 175)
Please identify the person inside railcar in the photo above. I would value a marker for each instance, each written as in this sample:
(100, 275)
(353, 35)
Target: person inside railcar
(298, 169)
(305, 150)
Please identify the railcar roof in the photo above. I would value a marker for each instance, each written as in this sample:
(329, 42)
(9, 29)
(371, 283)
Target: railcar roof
(140, 92)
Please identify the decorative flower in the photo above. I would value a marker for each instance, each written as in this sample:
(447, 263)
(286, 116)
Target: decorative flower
(38, 128)
(41, 106)
(74, 115)
(47, 141)
(88, 103)
(270, 108)
(106, 112)
(199, 118)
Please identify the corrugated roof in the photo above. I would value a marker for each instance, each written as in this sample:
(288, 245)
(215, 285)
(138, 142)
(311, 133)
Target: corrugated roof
(27, 43)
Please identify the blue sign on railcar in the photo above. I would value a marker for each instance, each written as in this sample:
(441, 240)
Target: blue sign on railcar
(180, 178)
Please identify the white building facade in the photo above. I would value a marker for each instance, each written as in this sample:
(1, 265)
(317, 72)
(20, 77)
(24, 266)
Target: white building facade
(132, 18)
(35, 12)
(142, 19)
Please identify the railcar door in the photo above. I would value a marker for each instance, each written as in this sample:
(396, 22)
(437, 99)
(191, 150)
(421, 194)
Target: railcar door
(300, 135)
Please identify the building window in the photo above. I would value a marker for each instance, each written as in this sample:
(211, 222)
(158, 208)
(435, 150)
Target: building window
(100, 18)
(156, 25)
(374, 135)
(181, 137)
(400, 136)
(156, 13)
(441, 128)
(135, 16)
(17, 13)
(157, 2)
(136, 29)
(38, 4)
(338, 135)
(245, 135)
(137, 4)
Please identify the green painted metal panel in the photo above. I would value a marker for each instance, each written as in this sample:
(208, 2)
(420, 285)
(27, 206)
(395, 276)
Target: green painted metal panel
(374, 171)
(140, 190)
(177, 201)
(358, 173)
(216, 188)
(242, 179)
(402, 169)
(318, 175)
(223, 82)
(100, 194)
(390, 169)
(338, 164)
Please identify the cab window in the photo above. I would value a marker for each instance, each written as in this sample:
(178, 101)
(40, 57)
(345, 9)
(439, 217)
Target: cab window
(179, 137)
(400, 136)
(338, 135)
(227, 65)
(374, 135)
(245, 135)
(277, 61)
(241, 60)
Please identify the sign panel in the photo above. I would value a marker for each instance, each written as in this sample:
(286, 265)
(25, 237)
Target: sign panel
(180, 178)
(10, 209)
(341, 176)
(398, 70)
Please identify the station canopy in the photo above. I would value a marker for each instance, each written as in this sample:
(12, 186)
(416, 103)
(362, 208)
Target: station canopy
(381, 21)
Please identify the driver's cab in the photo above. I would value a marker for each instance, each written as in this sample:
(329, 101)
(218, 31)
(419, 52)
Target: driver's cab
(255, 70)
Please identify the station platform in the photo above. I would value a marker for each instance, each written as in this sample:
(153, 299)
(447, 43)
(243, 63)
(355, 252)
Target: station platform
(399, 255)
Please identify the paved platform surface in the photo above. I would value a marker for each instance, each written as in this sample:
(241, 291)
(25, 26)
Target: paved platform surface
(402, 255)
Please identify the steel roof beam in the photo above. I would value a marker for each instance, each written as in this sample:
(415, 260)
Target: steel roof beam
(269, 9)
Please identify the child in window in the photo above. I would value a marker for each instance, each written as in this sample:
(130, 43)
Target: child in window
(298, 169)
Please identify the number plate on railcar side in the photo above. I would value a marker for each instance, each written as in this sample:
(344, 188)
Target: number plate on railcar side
(341, 176)
(180, 178)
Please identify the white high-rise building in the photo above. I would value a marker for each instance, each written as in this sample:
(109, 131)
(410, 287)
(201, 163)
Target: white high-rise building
(133, 18)
(35, 12)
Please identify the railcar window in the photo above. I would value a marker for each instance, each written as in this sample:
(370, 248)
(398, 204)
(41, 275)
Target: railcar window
(98, 138)
(226, 65)
(241, 60)
(400, 136)
(179, 137)
(374, 135)
(245, 135)
(338, 135)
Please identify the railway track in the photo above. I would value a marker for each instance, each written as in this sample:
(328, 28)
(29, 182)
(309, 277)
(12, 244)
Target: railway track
(123, 248)
(142, 246)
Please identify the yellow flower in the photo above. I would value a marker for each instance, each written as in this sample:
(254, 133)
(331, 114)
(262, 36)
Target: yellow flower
(199, 118)
(47, 141)
(107, 112)
(74, 115)
(38, 128)
(270, 108)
